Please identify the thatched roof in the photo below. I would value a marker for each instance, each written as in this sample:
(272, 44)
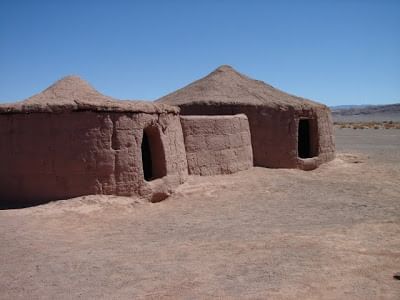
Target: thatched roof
(227, 86)
(71, 93)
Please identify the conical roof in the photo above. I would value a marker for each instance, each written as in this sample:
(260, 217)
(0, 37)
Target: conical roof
(227, 86)
(72, 93)
(69, 90)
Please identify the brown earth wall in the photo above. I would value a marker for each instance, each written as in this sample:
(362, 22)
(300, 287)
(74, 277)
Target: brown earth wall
(217, 144)
(324, 137)
(274, 133)
(45, 156)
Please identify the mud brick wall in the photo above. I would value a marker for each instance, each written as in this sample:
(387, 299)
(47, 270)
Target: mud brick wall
(217, 144)
(50, 156)
(274, 132)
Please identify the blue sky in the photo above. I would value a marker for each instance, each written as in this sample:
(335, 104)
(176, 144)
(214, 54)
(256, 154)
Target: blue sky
(335, 52)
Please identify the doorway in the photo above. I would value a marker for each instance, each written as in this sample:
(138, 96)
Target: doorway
(307, 138)
(153, 155)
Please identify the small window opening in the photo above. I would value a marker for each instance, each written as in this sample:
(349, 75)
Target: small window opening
(153, 156)
(307, 138)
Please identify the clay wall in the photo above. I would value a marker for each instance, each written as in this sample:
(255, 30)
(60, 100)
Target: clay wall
(322, 137)
(326, 136)
(49, 156)
(274, 132)
(217, 144)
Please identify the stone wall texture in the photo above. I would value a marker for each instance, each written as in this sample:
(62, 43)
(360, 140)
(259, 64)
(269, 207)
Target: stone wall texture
(49, 156)
(274, 132)
(217, 144)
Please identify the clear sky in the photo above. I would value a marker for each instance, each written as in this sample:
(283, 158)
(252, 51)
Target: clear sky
(335, 52)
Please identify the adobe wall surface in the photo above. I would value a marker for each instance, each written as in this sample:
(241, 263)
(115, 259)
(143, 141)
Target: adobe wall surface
(326, 135)
(325, 138)
(45, 156)
(217, 144)
(274, 133)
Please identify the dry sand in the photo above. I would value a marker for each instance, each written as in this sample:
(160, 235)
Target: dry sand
(331, 233)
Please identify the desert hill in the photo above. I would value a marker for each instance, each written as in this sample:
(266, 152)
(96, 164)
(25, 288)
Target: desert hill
(366, 113)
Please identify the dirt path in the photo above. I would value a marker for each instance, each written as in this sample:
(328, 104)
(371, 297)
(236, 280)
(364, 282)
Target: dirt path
(331, 233)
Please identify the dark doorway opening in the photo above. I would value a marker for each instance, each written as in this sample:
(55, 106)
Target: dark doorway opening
(153, 156)
(146, 158)
(306, 138)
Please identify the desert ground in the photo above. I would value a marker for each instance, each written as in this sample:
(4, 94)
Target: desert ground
(330, 233)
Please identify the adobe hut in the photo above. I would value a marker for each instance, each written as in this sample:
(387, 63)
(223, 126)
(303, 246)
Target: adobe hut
(286, 131)
(70, 140)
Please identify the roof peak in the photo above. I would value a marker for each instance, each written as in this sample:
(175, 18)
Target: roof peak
(69, 89)
(72, 93)
(227, 86)
(225, 68)
(70, 81)
(72, 77)
(228, 71)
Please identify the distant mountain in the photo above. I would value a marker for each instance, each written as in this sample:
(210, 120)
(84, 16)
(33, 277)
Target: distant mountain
(361, 113)
(340, 107)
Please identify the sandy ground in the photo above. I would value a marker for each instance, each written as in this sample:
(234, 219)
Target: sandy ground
(331, 233)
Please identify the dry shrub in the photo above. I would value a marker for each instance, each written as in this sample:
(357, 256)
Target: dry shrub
(370, 125)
